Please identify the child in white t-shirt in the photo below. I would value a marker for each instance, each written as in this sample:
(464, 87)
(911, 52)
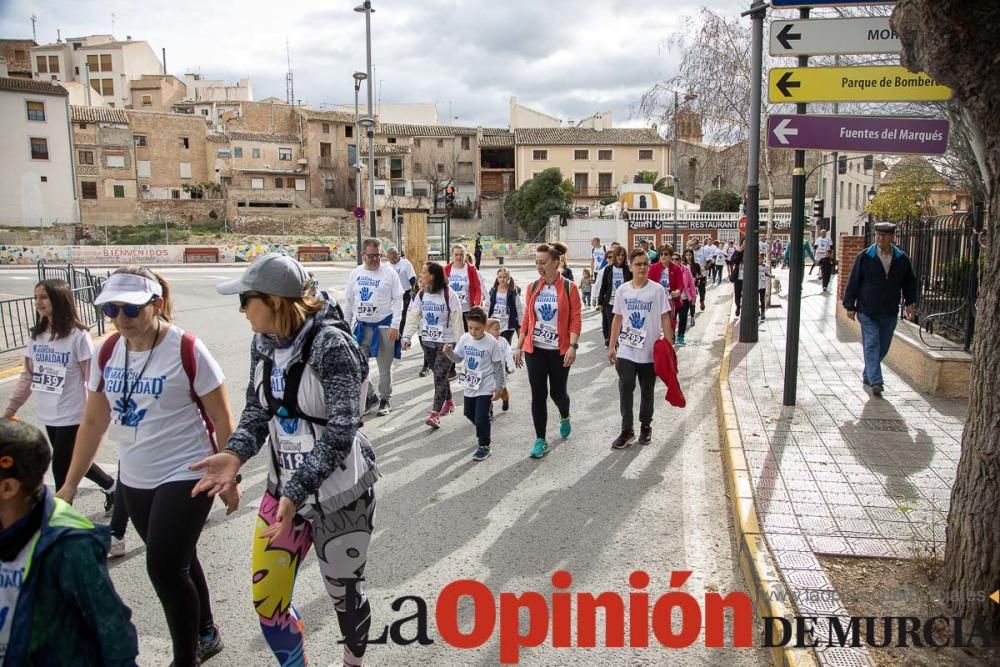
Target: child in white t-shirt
(483, 377)
(493, 329)
(763, 274)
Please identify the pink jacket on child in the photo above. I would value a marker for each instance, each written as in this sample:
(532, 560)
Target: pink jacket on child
(688, 292)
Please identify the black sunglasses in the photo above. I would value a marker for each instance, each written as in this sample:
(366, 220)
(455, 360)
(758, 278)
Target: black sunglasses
(131, 310)
(246, 296)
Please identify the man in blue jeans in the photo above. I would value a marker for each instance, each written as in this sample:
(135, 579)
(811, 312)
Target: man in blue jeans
(881, 273)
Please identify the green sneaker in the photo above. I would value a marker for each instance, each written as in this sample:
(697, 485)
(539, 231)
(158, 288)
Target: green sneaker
(565, 428)
(540, 449)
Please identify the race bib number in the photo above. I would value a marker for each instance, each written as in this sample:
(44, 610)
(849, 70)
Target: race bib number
(292, 450)
(633, 337)
(48, 378)
(433, 334)
(546, 333)
(463, 298)
(366, 310)
(471, 380)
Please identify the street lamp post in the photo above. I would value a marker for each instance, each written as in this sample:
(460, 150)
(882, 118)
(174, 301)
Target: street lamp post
(677, 165)
(366, 9)
(358, 78)
(868, 226)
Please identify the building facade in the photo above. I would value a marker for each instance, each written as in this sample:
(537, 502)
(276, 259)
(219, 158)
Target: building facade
(170, 153)
(16, 56)
(35, 155)
(156, 92)
(104, 155)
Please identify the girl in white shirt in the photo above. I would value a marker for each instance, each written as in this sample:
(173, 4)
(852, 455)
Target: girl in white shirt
(56, 368)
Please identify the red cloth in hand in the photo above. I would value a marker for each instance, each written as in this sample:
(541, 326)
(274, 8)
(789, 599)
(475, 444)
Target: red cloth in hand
(665, 365)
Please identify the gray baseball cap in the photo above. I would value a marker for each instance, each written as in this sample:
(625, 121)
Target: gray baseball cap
(273, 273)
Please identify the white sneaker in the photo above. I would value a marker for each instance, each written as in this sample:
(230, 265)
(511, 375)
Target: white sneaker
(117, 549)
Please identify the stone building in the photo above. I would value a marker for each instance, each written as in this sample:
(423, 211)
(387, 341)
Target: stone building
(16, 56)
(170, 153)
(104, 154)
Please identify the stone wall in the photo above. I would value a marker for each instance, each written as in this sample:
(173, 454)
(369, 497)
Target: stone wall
(848, 248)
(179, 211)
(302, 222)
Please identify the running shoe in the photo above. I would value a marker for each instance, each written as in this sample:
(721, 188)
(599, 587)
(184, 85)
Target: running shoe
(540, 449)
(384, 408)
(351, 660)
(877, 389)
(109, 499)
(209, 645)
(645, 435)
(433, 420)
(117, 549)
(703, 305)
(763, 317)
(424, 372)
(623, 440)
(737, 311)
(482, 453)
(680, 341)
(371, 400)
(447, 407)
(565, 428)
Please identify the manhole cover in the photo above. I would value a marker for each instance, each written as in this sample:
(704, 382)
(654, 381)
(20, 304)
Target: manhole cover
(894, 425)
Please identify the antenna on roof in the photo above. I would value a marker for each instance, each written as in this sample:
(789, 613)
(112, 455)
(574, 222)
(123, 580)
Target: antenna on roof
(289, 81)
(112, 25)
(34, 34)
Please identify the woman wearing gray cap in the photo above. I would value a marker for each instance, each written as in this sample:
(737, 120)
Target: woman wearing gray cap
(159, 395)
(306, 377)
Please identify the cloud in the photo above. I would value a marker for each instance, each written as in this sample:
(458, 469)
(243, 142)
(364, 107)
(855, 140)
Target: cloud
(568, 58)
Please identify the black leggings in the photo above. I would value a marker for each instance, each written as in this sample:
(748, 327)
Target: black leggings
(682, 318)
(547, 376)
(169, 521)
(441, 365)
(62, 439)
(607, 315)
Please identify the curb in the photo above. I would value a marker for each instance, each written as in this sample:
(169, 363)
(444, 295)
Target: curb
(11, 371)
(760, 572)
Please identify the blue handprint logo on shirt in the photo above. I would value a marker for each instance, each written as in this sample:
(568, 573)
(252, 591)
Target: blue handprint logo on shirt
(456, 287)
(128, 415)
(365, 294)
(471, 363)
(636, 320)
(431, 319)
(289, 424)
(547, 311)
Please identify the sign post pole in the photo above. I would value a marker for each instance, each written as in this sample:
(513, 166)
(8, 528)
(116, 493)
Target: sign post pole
(749, 317)
(796, 262)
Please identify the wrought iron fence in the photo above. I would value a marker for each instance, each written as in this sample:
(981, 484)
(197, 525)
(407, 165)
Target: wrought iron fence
(17, 316)
(944, 251)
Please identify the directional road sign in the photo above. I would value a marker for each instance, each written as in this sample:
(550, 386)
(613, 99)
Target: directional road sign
(827, 3)
(853, 84)
(833, 36)
(858, 134)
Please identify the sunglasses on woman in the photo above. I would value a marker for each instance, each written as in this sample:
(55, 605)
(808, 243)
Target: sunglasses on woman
(131, 310)
(246, 296)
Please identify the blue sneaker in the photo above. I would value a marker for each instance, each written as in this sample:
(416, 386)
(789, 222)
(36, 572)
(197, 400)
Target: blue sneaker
(540, 449)
(565, 428)
(482, 453)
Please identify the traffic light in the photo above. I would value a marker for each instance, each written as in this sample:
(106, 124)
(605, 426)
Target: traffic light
(449, 196)
(842, 164)
(818, 206)
(869, 162)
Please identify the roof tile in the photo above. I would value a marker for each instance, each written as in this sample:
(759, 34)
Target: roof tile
(32, 86)
(582, 136)
(403, 130)
(80, 114)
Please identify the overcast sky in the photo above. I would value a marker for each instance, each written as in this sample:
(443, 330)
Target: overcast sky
(568, 58)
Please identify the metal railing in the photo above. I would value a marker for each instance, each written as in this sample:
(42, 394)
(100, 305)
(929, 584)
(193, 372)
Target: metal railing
(17, 316)
(944, 252)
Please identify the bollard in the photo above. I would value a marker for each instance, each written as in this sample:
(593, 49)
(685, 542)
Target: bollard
(500, 260)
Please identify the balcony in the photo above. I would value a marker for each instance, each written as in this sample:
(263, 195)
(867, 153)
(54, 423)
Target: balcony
(596, 191)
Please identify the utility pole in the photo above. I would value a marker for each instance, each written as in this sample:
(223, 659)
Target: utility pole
(358, 78)
(833, 191)
(796, 263)
(676, 168)
(34, 33)
(749, 317)
(366, 9)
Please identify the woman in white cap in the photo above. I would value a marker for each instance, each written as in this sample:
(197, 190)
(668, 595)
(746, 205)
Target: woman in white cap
(306, 378)
(159, 395)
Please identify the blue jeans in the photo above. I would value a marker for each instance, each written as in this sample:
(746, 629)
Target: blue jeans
(477, 411)
(876, 337)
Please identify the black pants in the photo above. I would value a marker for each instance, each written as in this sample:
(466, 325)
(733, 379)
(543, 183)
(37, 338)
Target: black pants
(762, 295)
(508, 335)
(628, 372)
(441, 365)
(62, 439)
(406, 308)
(825, 269)
(682, 318)
(169, 521)
(428, 356)
(119, 515)
(479, 259)
(477, 411)
(738, 292)
(607, 315)
(717, 273)
(701, 290)
(546, 376)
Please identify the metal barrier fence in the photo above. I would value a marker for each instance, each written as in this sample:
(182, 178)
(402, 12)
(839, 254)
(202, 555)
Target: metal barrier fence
(944, 251)
(74, 276)
(17, 316)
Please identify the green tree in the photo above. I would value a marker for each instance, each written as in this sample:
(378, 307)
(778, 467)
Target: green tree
(906, 191)
(544, 195)
(721, 201)
(659, 184)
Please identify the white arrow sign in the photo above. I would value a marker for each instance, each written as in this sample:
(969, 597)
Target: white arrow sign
(782, 131)
(806, 37)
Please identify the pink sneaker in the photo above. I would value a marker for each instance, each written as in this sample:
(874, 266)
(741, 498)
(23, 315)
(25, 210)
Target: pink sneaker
(447, 407)
(433, 420)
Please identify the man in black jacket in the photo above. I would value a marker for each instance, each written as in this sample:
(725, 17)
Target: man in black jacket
(881, 273)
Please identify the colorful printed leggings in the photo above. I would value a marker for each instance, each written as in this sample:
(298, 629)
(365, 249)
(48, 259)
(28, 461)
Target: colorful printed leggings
(341, 540)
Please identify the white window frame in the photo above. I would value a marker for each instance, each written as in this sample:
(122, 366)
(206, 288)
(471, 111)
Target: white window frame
(115, 161)
(27, 112)
(185, 169)
(283, 152)
(143, 169)
(255, 153)
(300, 185)
(256, 183)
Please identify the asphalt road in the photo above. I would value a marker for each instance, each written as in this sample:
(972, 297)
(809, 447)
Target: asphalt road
(508, 522)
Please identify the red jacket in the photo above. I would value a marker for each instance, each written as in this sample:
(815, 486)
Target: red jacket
(475, 285)
(569, 316)
(665, 365)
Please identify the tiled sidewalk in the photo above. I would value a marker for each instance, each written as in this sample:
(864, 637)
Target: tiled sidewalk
(841, 472)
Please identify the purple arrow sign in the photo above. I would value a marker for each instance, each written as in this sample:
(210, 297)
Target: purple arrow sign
(858, 134)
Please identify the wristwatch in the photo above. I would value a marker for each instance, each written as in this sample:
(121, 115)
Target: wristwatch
(575, 346)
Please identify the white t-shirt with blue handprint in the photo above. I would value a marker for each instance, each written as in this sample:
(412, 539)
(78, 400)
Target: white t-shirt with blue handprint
(373, 296)
(478, 376)
(545, 335)
(641, 310)
(169, 432)
(458, 281)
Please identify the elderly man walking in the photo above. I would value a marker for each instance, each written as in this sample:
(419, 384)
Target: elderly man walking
(881, 273)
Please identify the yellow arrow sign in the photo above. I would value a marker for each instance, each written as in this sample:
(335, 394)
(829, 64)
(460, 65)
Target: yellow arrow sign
(996, 597)
(853, 84)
